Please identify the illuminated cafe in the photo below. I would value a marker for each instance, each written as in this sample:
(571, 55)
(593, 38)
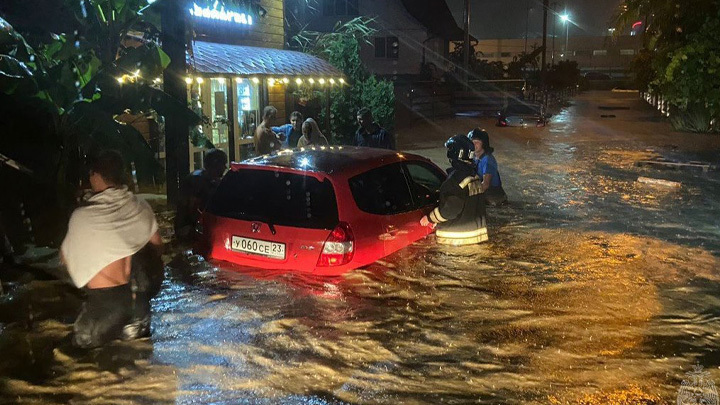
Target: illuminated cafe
(236, 67)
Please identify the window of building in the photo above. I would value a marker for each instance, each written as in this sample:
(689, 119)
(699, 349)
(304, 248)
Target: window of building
(600, 52)
(379, 47)
(505, 54)
(627, 52)
(387, 47)
(340, 8)
(393, 47)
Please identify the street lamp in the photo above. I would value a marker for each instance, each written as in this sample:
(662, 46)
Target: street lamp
(565, 18)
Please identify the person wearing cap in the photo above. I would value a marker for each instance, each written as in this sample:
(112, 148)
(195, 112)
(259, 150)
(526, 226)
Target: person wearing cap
(487, 168)
(459, 218)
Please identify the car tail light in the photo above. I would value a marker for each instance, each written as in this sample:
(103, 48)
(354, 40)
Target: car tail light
(503, 123)
(338, 248)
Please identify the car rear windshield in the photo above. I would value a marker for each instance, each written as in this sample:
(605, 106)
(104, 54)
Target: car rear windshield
(279, 198)
(522, 109)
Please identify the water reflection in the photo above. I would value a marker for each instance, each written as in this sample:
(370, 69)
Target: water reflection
(593, 289)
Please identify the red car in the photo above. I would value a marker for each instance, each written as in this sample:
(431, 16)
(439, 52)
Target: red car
(323, 210)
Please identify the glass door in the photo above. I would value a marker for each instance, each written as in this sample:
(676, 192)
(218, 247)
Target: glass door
(247, 100)
(219, 113)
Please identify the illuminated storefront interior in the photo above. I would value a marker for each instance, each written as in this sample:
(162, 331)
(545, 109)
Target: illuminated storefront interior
(231, 84)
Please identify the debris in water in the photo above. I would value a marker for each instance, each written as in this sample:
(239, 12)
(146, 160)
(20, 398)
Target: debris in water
(659, 182)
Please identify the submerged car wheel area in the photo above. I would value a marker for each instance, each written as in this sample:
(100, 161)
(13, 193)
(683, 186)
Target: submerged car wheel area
(321, 210)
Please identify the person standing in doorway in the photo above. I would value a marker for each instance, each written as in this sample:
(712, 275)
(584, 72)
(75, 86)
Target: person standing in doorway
(370, 134)
(266, 140)
(291, 131)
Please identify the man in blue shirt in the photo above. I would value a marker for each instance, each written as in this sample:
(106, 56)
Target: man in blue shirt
(487, 168)
(292, 131)
(370, 134)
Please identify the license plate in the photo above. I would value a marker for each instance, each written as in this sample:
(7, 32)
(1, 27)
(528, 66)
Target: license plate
(258, 247)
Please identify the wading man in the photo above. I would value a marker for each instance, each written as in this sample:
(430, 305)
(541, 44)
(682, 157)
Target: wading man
(112, 250)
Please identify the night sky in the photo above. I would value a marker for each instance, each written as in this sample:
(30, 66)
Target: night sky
(506, 18)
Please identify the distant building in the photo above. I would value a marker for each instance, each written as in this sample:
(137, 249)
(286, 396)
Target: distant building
(410, 33)
(605, 54)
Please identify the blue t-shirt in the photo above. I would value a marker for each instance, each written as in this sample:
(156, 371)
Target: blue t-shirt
(291, 135)
(488, 165)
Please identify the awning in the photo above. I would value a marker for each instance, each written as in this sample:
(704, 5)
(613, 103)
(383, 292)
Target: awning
(224, 59)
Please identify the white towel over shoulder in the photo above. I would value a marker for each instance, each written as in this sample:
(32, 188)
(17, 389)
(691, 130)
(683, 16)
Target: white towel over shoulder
(114, 224)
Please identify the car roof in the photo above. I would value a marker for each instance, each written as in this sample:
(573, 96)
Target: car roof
(329, 159)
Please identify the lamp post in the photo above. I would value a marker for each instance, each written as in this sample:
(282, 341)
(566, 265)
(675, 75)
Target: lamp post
(565, 18)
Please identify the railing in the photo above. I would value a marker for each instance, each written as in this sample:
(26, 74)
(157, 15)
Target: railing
(657, 101)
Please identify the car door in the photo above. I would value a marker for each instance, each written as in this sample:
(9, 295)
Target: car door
(384, 192)
(425, 180)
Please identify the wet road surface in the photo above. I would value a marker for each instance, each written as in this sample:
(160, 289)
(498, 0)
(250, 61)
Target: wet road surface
(594, 288)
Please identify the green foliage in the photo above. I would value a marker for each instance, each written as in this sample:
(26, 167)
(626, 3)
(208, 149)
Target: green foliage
(341, 48)
(681, 59)
(66, 97)
(691, 79)
(642, 66)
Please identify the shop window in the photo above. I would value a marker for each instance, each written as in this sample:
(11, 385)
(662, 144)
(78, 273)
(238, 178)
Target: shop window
(218, 108)
(248, 113)
(387, 47)
(340, 8)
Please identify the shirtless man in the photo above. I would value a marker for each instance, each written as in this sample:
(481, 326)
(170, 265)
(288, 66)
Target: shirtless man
(266, 140)
(112, 250)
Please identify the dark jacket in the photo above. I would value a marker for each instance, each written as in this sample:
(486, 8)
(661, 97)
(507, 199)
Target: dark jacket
(460, 215)
(377, 138)
(195, 191)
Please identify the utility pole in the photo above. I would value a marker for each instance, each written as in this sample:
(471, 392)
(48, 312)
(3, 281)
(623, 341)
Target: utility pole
(527, 22)
(543, 70)
(177, 158)
(554, 19)
(466, 43)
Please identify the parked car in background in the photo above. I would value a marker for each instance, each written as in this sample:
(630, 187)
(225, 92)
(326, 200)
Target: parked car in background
(522, 115)
(323, 210)
(596, 76)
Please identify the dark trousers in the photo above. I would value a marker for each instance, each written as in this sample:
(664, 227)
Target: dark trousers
(103, 316)
(495, 196)
(123, 311)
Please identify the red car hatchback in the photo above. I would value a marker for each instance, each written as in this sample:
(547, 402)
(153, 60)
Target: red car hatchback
(323, 210)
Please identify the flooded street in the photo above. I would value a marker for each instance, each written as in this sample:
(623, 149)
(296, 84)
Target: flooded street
(593, 289)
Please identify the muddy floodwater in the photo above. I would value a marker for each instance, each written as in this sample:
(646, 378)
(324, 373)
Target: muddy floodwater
(593, 289)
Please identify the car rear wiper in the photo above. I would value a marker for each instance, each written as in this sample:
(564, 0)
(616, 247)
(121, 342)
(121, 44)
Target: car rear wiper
(272, 228)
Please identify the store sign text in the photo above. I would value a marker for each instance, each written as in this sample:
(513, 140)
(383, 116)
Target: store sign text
(221, 15)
